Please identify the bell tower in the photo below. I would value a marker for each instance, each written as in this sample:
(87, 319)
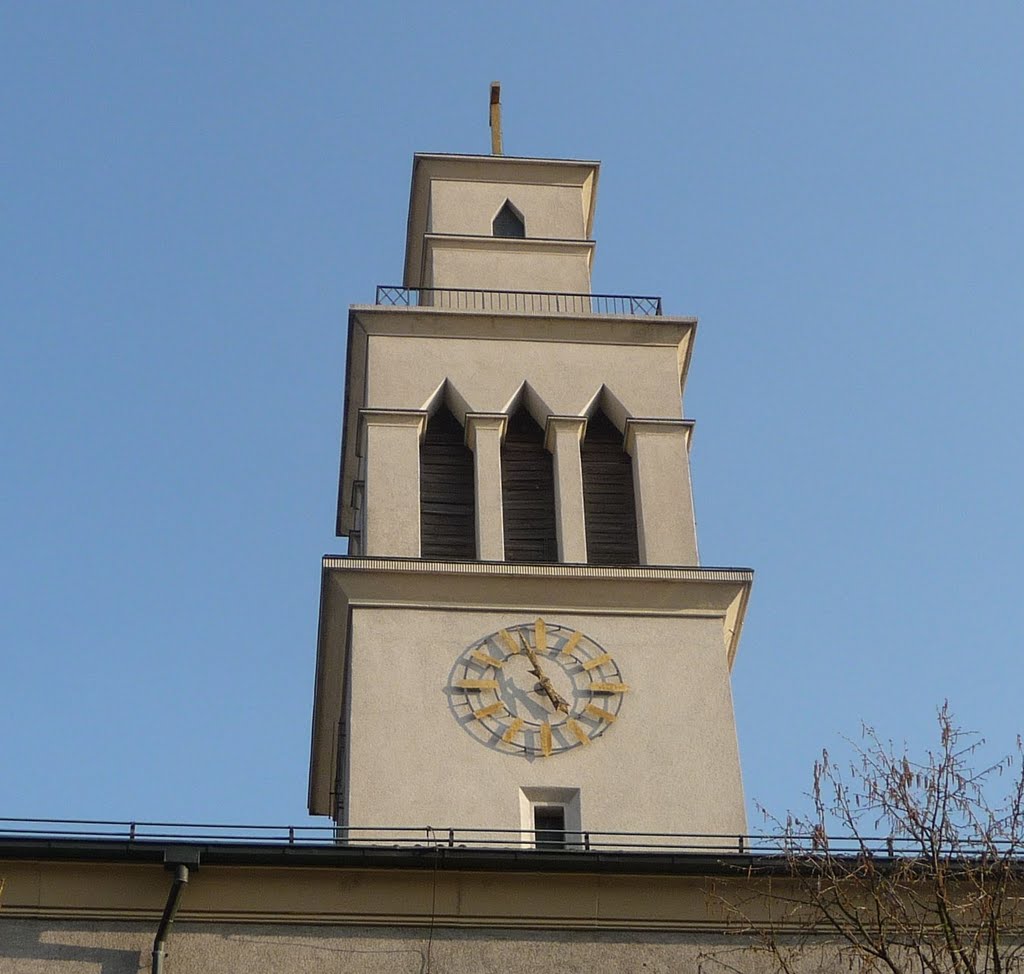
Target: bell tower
(521, 638)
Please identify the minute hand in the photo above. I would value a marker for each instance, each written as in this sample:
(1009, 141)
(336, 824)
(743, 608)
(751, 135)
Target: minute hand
(557, 700)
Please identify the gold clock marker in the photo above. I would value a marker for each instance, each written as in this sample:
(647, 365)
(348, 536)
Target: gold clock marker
(489, 711)
(477, 684)
(513, 729)
(540, 636)
(578, 732)
(599, 713)
(481, 657)
(597, 661)
(545, 739)
(510, 644)
(608, 687)
(571, 643)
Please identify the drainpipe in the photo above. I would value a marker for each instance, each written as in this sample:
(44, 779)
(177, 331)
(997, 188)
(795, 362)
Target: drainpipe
(179, 860)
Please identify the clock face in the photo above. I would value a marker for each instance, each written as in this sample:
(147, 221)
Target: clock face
(537, 688)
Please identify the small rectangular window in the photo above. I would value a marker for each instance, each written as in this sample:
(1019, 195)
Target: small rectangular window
(550, 818)
(549, 826)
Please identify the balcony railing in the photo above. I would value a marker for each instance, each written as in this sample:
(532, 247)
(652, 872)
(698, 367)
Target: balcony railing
(526, 302)
(82, 830)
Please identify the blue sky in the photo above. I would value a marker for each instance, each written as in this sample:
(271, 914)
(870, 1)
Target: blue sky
(191, 195)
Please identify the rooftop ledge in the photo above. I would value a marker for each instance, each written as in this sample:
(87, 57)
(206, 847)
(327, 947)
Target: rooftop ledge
(521, 302)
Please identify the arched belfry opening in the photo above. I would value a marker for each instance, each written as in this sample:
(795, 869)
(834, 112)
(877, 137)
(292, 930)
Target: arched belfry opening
(527, 492)
(609, 504)
(447, 494)
(509, 222)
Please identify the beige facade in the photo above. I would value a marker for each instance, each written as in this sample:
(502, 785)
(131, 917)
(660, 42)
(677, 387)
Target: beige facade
(40, 947)
(404, 363)
(493, 323)
(76, 916)
(454, 201)
(263, 888)
(73, 906)
(411, 758)
(498, 322)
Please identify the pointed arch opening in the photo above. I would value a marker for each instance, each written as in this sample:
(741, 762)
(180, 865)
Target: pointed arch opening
(509, 222)
(447, 490)
(609, 503)
(527, 492)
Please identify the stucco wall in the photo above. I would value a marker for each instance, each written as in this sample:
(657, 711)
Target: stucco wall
(469, 207)
(89, 947)
(668, 764)
(565, 378)
(404, 372)
(505, 265)
(459, 195)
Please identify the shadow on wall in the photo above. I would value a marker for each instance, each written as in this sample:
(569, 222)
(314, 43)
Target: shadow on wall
(98, 947)
(75, 945)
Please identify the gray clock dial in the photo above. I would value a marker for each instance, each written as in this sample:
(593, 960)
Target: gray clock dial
(537, 688)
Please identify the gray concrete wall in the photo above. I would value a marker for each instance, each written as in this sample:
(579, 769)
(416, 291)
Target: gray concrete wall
(29, 946)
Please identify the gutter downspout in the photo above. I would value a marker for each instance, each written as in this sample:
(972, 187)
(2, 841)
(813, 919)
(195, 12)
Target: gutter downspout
(179, 861)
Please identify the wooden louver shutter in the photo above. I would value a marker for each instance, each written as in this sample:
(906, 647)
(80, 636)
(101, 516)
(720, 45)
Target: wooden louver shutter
(609, 504)
(527, 492)
(447, 494)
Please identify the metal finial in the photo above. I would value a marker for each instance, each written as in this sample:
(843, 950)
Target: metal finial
(496, 118)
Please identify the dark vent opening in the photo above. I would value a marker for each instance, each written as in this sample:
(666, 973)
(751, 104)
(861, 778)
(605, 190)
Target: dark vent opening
(549, 826)
(609, 503)
(527, 492)
(508, 222)
(447, 493)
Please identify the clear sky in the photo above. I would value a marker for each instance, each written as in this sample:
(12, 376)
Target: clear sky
(191, 195)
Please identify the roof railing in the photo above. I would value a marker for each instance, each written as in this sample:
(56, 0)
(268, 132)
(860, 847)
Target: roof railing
(398, 837)
(521, 302)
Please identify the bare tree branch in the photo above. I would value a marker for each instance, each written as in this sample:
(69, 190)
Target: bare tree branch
(927, 879)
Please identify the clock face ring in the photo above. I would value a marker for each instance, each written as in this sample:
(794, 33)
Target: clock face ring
(537, 688)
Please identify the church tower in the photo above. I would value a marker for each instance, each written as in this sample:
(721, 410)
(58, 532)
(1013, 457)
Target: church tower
(521, 636)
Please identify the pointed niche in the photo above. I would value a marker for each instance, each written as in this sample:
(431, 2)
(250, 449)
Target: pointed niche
(447, 496)
(609, 504)
(509, 222)
(527, 492)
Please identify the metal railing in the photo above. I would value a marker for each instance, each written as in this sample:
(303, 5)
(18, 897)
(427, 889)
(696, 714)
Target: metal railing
(525, 302)
(21, 829)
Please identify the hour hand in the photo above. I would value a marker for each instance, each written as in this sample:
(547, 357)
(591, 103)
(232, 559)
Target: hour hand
(531, 655)
(557, 700)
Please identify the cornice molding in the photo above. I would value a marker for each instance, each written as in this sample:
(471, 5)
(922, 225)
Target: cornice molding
(418, 566)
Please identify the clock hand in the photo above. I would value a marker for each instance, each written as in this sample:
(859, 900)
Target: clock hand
(557, 700)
